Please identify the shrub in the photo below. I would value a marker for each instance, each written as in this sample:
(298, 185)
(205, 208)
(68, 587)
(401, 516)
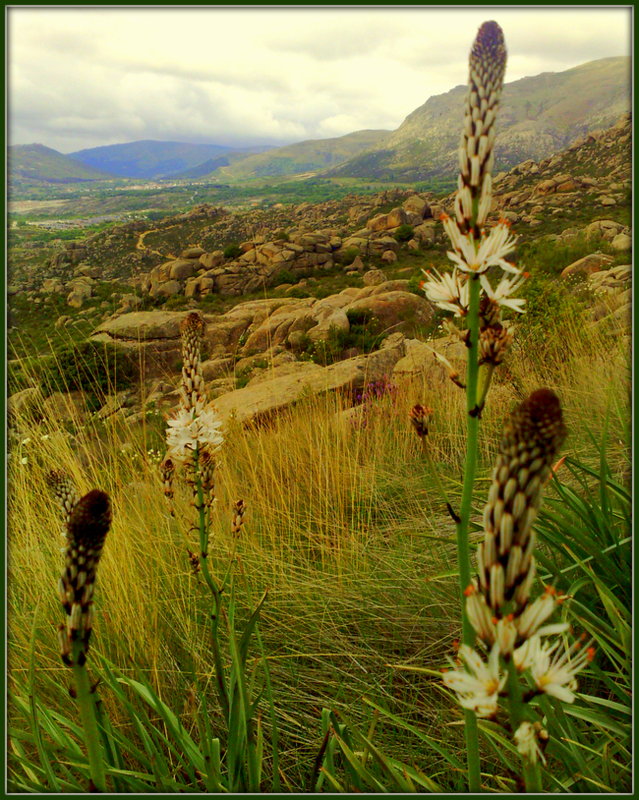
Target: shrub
(285, 276)
(176, 302)
(404, 233)
(93, 367)
(281, 236)
(232, 251)
(347, 256)
(365, 334)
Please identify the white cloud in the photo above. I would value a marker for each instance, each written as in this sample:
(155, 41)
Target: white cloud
(82, 77)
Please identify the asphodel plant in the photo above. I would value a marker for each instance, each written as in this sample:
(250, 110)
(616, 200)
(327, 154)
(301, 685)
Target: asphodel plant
(521, 654)
(194, 439)
(87, 520)
(515, 660)
(473, 294)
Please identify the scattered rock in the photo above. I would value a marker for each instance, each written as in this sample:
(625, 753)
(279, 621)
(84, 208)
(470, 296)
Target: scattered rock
(420, 359)
(389, 257)
(274, 394)
(374, 277)
(621, 242)
(25, 403)
(588, 264)
(168, 289)
(192, 252)
(182, 268)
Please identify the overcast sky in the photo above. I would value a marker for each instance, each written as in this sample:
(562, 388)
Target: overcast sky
(83, 77)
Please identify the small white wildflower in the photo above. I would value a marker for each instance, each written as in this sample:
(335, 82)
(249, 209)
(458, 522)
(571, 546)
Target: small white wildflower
(556, 676)
(537, 613)
(527, 741)
(478, 686)
(525, 656)
(24, 460)
(26, 441)
(189, 430)
(45, 437)
(448, 291)
(502, 293)
(489, 251)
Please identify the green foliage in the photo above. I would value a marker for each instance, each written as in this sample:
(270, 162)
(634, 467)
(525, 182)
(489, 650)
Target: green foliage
(153, 751)
(92, 367)
(587, 552)
(414, 284)
(550, 304)
(281, 236)
(285, 276)
(347, 256)
(232, 251)
(365, 335)
(404, 233)
(544, 255)
(176, 303)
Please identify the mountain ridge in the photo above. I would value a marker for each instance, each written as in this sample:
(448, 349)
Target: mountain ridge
(30, 164)
(538, 115)
(155, 159)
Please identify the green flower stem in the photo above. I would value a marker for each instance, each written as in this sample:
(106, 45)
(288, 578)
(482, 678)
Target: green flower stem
(204, 524)
(463, 548)
(87, 715)
(517, 707)
(472, 432)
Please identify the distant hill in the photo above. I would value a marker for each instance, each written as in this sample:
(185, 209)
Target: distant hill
(32, 164)
(308, 156)
(152, 159)
(537, 117)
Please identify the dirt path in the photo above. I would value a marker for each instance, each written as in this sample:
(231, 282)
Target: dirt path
(139, 245)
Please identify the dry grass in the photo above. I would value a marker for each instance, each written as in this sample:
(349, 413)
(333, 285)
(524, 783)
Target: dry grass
(344, 526)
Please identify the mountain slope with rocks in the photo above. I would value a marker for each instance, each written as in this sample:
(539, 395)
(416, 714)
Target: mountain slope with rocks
(538, 116)
(291, 292)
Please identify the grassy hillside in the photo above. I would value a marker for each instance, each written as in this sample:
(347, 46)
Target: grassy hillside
(310, 156)
(34, 163)
(346, 528)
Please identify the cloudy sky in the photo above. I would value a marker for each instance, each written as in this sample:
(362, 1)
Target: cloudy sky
(83, 77)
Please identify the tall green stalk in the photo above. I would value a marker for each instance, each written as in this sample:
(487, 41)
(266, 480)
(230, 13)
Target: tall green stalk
(204, 522)
(463, 547)
(86, 706)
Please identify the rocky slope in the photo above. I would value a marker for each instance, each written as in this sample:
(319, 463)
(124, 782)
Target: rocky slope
(581, 193)
(538, 116)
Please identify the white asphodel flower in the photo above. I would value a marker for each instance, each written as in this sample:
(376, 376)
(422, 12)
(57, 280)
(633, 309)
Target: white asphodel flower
(502, 293)
(189, 430)
(556, 674)
(536, 613)
(525, 655)
(489, 251)
(448, 291)
(478, 686)
(527, 742)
